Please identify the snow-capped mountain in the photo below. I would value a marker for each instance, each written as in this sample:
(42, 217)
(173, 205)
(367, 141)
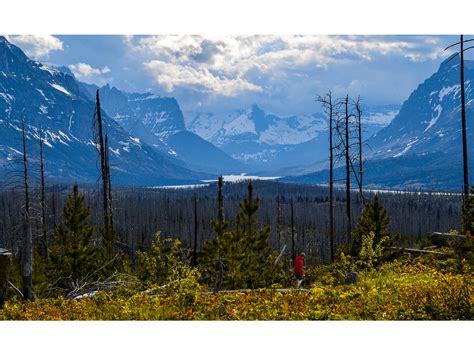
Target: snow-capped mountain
(430, 120)
(58, 111)
(159, 122)
(256, 125)
(422, 146)
(274, 142)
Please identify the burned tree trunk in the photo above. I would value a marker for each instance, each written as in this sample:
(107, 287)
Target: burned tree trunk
(27, 250)
(195, 232)
(328, 104)
(44, 240)
(5, 265)
(293, 250)
(361, 160)
(108, 233)
(109, 184)
(348, 171)
(463, 120)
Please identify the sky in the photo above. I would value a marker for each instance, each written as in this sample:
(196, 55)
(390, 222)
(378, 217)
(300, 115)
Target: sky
(281, 73)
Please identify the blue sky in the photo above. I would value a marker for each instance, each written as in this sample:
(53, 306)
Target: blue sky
(281, 73)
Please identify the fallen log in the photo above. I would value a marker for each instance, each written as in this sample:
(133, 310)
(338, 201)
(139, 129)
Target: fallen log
(445, 239)
(436, 254)
(5, 265)
(281, 290)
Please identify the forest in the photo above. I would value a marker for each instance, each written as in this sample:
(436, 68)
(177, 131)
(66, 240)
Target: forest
(229, 250)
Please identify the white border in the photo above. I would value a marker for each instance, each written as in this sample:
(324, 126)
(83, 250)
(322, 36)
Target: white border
(237, 17)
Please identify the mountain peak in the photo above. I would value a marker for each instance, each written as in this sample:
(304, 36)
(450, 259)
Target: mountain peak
(11, 57)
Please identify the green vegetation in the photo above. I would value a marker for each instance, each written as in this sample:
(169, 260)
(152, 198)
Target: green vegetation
(79, 282)
(72, 255)
(245, 253)
(410, 289)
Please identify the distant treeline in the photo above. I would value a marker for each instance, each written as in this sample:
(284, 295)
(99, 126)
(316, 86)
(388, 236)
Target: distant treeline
(139, 212)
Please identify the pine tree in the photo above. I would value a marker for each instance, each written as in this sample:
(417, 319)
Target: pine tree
(214, 248)
(256, 266)
(73, 256)
(374, 219)
(244, 251)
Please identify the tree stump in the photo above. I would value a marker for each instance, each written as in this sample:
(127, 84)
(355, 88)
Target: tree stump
(352, 277)
(5, 265)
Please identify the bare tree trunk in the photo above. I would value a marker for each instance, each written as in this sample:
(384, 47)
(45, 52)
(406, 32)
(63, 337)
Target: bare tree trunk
(109, 242)
(44, 240)
(27, 250)
(331, 178)
(293, 251)
(328, 104)
(361, 160)
(5, 265)
(195, 232)
(279, 223)
(53, 206)
(463, 121)
(109, 185)
(348, 172)
(220, 195)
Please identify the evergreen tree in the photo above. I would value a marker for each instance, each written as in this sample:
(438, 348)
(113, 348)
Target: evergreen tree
(212, 249)
(162, 263)
(374, 219)
(73, 256)
(244, 251)
(256, 267)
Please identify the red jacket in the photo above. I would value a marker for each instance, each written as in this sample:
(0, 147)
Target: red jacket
(299, 265)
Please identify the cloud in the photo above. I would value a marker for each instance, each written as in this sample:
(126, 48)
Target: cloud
(87, 73)
(36, 46)
(226, 64)
(170, 75)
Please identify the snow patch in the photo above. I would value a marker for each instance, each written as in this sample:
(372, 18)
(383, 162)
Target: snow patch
(7, 97)
(433, 121)
(448, 90)
(135, 140)
(60, 88)
(43, 109)
(407, 148)
(115, 151)
(50, 70)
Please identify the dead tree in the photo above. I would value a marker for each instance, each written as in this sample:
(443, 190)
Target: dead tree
(358, 109)
(44, 239)
(328, 105)
(109, 184)
(348, 172)
(463, 113)
(27, 245)
(345, 122)
(220, 195)
(195, 232)
(293, 250)
(102, 148)
(279, 223)
(5, 265)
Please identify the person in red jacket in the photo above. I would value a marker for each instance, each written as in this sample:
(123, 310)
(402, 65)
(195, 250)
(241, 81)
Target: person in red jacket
(298, 269)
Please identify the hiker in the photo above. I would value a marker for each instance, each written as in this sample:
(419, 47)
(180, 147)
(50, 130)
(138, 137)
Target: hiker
(298, 269)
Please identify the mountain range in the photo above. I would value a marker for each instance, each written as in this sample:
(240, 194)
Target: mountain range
(159, 122)
(151, 142)
(57, 110)
(421, 147)
(273, 144)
